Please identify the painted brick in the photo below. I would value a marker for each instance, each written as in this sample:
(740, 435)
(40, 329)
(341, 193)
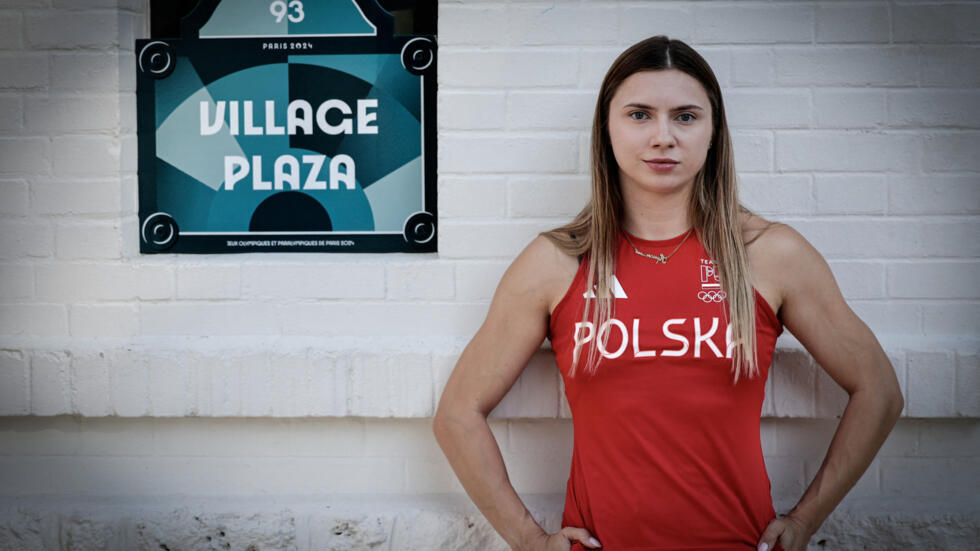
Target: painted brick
(420, 280)
(60, 113)
(477, 197)
(638, 22)
(845, 151)
(209, 281)
(729, 24)
(517, 68)
(859, 280)
(15, 383)
(50, 386)
(942, 151)
(942, 65)
(850, 194)
(191, 437)
(924, 108)
(23, 156)
(946, 22)
(849, 108)
(777, 193)
(343, 280)
(513, 153)
(471, 240)
(330, 384)
(225, 386)
(69, 30)
(478, 280)
(753, 151)
(892, 237)
(84, 155)
(753, 66)
(934, 280)
(88, 240)
(533, 109)
(933, 194)
(169, 385)
(346, 436)
(129, 384)
(75, 197)
(594, 63)
(35, 319)
(967, 399)
(104, 281)
(11, 35)
(948, 478)
(103, 320)
(537, 25)
(23, 71)
(852, 23)
(767, 109)
(84, 72)
(548, 196)
(793, 381)
(290, 388)
(202, 318)
(846, 65)
(400, 386)
(883, 317)
(932, 377)
(472, 110)
(950, 438)
(89, 384)
(16, 281)
(402, 319)
(534, 393)
(11, 112)
(951, 318)
(481, 24)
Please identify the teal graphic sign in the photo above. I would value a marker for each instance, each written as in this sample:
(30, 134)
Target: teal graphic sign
(287, 126)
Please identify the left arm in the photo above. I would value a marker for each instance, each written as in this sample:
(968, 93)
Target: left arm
(815, 312)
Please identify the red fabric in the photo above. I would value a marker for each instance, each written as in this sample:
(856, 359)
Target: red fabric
(667, 452)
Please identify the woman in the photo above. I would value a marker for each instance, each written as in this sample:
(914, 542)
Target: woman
(663, 300)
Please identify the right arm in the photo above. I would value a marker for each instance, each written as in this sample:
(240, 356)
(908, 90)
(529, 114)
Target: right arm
(515, 327)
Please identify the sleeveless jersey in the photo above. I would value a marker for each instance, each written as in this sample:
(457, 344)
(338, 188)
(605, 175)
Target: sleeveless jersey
(667, 452)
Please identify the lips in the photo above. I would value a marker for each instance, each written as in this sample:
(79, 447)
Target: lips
(661, 161)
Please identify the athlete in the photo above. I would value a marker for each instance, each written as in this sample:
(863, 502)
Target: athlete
(662, 301)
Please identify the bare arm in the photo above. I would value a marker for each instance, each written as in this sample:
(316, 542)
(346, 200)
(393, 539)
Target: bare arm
(514, 329)
(814, 310)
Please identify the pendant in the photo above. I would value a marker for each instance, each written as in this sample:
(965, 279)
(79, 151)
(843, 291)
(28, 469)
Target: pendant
(661, 259)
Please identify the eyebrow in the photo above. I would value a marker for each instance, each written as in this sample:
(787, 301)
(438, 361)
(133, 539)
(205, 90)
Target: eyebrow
(680, 108)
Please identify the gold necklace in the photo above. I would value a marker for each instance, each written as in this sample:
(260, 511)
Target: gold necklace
(659, 257)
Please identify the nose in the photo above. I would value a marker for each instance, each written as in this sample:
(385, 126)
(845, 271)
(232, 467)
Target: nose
(661, 134)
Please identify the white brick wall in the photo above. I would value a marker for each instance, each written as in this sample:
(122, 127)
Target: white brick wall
(855, 122)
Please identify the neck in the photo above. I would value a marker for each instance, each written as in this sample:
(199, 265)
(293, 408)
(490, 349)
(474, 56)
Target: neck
(656, 216)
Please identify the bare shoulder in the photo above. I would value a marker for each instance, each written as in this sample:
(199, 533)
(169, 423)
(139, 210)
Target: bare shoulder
(542, 272)
(777, 253)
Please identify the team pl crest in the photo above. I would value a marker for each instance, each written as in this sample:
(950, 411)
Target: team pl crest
(287, 126)
(711, 290)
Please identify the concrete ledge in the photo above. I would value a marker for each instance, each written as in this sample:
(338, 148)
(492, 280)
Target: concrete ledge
(392, 523)
(400, 377)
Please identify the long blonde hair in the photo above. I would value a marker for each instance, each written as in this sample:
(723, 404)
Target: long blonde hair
(714, 208)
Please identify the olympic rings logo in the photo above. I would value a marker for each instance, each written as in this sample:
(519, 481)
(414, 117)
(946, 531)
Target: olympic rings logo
(712, 296)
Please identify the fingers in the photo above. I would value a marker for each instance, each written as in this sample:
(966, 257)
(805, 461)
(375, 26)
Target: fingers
(767, 542)
(581, 535)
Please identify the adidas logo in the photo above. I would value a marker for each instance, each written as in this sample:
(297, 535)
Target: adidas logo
(618, 291)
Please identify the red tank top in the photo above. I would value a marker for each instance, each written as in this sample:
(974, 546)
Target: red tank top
(667, 452)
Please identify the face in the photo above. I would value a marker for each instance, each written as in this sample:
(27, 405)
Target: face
(659, 115)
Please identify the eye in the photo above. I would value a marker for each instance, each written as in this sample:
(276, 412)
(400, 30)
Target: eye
(638, 113)
(692, 119)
